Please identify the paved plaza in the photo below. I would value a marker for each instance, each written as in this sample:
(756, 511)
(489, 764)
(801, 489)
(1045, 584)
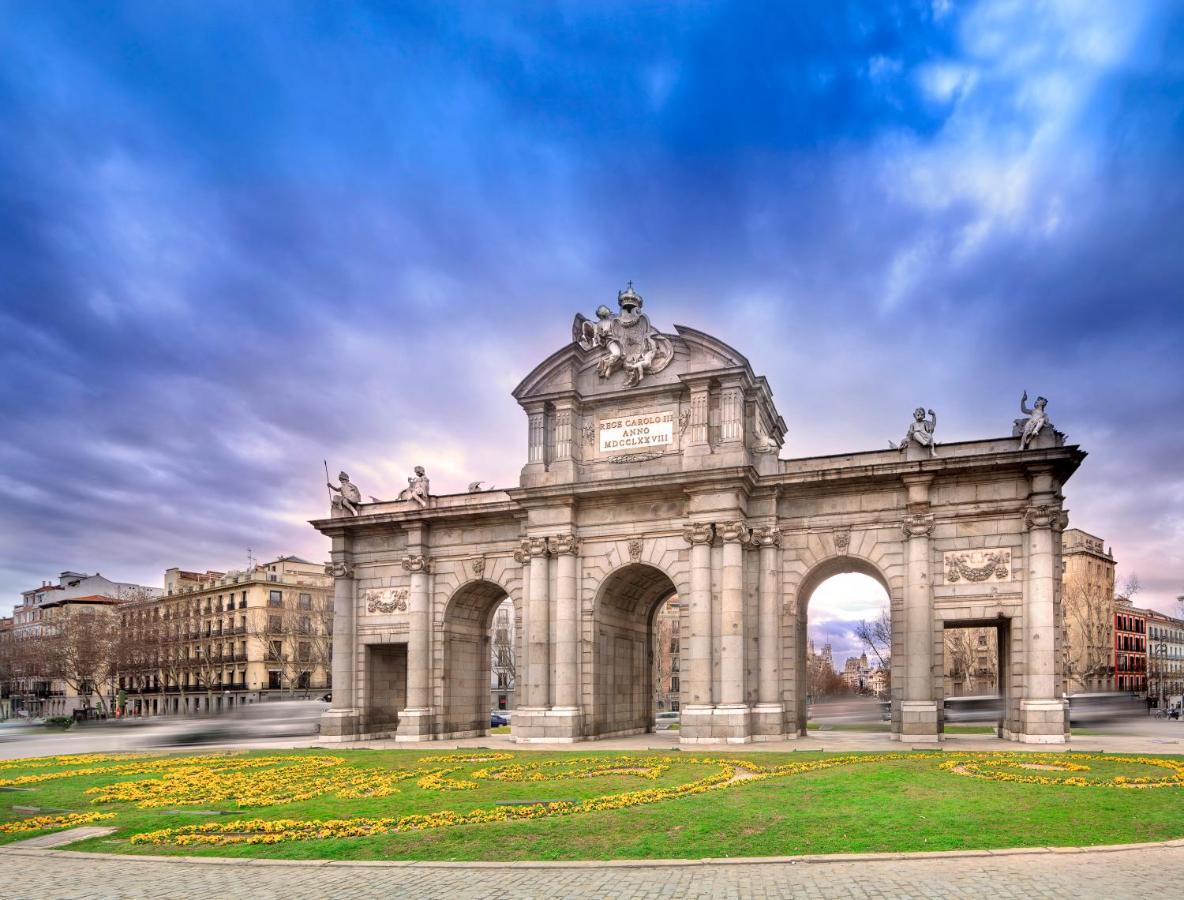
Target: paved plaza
(1140, 872)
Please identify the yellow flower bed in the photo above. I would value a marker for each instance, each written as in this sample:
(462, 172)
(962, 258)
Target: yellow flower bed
(44, 823)
(273, 780)
(993, 767)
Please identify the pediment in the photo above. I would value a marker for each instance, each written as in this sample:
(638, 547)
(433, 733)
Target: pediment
(574, 369)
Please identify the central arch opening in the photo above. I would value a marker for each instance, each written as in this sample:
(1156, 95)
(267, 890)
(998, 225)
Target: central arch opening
(624, 650)
(470, 639)
(844, 649)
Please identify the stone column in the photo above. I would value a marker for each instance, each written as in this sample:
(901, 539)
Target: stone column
(564, 660)
(695, 725)
(919, 706)
(340, 722)
(415, 722)
(534, 673)
(1042, 710)
(768, 716)
(565, 655)
(731, 713)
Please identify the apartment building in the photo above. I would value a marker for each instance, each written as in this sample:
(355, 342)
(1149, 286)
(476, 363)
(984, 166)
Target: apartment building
(216, 640)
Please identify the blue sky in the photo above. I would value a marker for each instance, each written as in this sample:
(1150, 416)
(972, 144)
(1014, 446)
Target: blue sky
(241, 238)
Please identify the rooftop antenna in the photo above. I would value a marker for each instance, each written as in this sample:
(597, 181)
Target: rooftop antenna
(250, 560)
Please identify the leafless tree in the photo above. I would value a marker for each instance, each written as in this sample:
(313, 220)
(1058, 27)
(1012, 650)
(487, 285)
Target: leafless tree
(79, 646)
(876, 636)
(297, 637)
(1088, 605)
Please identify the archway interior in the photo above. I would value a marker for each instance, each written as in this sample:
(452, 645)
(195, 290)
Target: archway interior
(468, 657)
(974, 673)
(623, 694)
(843, 681)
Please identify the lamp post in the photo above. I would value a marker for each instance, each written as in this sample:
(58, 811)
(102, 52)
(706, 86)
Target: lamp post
(1161, 653)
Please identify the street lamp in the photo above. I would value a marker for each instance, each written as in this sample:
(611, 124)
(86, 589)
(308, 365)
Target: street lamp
(1161, 652)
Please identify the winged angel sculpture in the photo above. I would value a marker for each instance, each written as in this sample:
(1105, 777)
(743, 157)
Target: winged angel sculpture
(626, 341)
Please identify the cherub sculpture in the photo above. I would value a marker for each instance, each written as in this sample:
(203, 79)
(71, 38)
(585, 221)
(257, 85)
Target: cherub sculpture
(1036, 420)
(920, 432)
(417, 488)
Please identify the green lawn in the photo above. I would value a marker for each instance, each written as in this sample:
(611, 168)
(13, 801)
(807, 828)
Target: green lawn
(865, 803)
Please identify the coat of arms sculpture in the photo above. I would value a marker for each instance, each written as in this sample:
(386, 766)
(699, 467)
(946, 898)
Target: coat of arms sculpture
(627, 341)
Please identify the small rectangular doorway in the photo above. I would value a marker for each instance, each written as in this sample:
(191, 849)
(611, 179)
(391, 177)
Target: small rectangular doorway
(386, 686)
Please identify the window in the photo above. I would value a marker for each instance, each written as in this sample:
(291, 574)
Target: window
(304, 650)
(674, 706)
(275, 598)
(305, 625)
(275, 649)
(305, 601)
(674, 683)
(273, 681)
(275, 624)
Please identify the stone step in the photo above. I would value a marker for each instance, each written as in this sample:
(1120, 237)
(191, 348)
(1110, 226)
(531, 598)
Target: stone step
(61, 838)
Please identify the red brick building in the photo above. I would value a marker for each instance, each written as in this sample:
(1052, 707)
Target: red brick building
(1130, 647)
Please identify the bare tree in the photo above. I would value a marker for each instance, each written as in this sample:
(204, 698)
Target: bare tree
(169, 638)
(1088, 605)
(876, 636)
(79, 647)
(297, 637)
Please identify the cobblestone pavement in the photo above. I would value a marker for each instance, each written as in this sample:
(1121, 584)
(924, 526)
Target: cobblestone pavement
(1073, 873)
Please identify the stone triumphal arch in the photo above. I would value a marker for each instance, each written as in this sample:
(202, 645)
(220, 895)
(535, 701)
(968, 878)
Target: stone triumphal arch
(653, 467)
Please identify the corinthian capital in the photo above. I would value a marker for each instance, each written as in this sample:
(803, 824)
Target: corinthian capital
(564, 543)
(736, 532)
(1046, 516)
(766, 536)
(340, 569)
(415, 564)
(698, 533)
(917, 525)
(532, 548)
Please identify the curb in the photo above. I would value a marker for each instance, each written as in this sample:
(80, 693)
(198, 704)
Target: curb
(929, 855)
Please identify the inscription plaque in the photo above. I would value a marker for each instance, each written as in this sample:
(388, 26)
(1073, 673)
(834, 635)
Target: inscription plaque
(637, 432)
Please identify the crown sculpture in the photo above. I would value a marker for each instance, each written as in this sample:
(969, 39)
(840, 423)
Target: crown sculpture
(626, 341)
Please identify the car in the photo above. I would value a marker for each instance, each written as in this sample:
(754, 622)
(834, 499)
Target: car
(664, 721)
(253, 721)
(496, 720)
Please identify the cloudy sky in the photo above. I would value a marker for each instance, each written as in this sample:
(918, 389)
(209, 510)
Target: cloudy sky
(238, 239)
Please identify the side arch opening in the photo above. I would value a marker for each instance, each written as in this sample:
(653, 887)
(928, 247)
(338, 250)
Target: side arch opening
(468, 657)
(624, 650)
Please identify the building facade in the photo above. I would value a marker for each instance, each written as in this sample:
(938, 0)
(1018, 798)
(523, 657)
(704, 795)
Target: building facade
(1088, 590)
(216, 640)
(1165, 659)
(1130, 647)
(668, 656)
(503, 668)
(63, 639)
(653, 468)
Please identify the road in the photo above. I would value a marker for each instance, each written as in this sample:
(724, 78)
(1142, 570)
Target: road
(116, 739)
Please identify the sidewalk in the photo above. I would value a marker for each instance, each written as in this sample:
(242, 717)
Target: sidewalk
(816, 741)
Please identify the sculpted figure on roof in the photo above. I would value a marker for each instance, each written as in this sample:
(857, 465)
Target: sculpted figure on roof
(626, 341)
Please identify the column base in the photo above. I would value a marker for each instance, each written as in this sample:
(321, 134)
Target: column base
(918, 722)
(415, 725)
(715, 725)
(339, 725)
(1041, 722)
(768, 722)
(542, 725)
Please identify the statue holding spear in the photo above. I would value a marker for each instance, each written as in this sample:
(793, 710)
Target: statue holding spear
(347, 498)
